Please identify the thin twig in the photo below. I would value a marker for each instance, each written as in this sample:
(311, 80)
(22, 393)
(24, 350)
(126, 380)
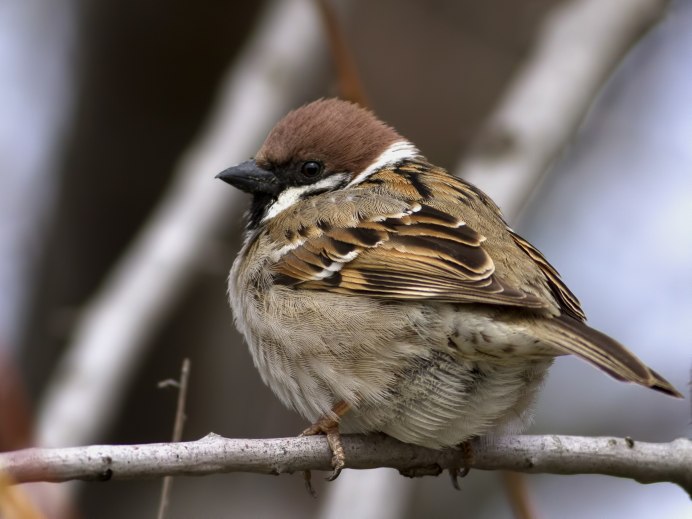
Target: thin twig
(350, 85)
(213, 454)
(180, 417)
(14, 503)
(518, 495)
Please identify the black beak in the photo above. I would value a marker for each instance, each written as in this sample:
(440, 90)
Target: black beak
(249, 177)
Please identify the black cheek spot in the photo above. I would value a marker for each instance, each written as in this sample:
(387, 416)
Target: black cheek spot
(290, 235)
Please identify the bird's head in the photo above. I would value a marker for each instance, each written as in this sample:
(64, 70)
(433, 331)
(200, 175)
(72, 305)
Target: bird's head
(323, 146)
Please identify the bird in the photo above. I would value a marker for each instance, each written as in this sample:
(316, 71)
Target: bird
(378, 293)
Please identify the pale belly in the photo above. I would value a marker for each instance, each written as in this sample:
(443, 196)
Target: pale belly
(413, 371)
(442, 402)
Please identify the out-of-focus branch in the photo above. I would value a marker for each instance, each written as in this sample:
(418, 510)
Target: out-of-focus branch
(620, 457)
(14, 502)
(576, 50)
(350, 85)
(579, 46)
(381, 493)
(518, 495)
(275, 67)
(180, 417)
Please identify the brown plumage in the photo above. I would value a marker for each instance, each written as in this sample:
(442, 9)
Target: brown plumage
(336, 134)
(375, 283)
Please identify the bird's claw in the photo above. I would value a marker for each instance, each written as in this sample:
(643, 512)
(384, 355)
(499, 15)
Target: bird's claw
(467, 457)
(455, 473)
(338, 454)
(338, 463)
(330, 428)
(307, 478)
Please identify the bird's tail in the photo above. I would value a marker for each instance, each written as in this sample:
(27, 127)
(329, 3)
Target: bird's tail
(572, 336)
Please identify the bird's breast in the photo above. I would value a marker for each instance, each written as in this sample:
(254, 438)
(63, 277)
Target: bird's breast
(410, 370)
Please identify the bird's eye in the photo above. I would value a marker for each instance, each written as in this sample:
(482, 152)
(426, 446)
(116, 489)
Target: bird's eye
(311, 168)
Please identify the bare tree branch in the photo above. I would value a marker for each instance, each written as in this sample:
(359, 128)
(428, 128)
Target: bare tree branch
(279, 61)
(14, 502)
(213, 454)
(190, 212)
(350, 84)
(577, 49)
(179, 423)
(518, 495)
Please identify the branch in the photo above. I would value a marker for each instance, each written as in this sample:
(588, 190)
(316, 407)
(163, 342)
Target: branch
(213, 454)
(180, 418)
(350, 84)
(578, 47)
(278, 63)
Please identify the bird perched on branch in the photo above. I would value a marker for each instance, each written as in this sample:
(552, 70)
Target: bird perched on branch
(377, 292)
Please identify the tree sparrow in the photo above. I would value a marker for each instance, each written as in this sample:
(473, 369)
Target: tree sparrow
(377, 292)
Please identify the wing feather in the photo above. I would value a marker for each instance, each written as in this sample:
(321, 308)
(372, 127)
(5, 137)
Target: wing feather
(422, 253)
(568, 301)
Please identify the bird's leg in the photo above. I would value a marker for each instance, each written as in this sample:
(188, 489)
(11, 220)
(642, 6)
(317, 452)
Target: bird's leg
(329, 425)
(467, 456)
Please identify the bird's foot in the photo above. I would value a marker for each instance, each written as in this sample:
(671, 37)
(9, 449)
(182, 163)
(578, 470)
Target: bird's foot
(467, 458)
(329, 426)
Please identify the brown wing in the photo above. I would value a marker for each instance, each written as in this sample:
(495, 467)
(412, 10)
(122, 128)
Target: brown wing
(422, 254)
(568, 301)
(573, 336)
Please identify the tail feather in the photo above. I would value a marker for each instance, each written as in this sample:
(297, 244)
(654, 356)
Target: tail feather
(571, 336)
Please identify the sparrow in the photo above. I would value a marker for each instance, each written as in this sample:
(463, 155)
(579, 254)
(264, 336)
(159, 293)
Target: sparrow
(379, 293)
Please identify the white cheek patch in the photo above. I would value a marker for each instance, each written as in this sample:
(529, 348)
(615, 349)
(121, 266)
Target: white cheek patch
(286, 199)
(396, 152)
(291, 195)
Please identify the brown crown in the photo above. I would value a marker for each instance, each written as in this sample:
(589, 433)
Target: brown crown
(342, 135)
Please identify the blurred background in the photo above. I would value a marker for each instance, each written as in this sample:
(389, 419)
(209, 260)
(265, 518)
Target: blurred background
(115, 115)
